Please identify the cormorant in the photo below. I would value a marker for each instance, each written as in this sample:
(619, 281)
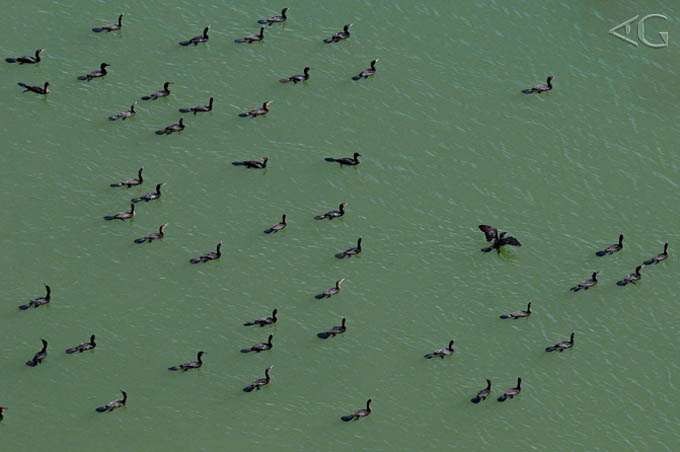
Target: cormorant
(333, 213)
(151, 195)
(350, 251)
(297, 77)
(95, 74)
(198, 108)
(36, 89)
(114, 404)
(178, 127)
(540, 87)
(338, 329)
(260, 347)
(339, 36)
(257, 384)
(278, 226)
(274, 19)
(27, 59)
(586, 283)
(196, 39)
(38, 357)
(83, 347)
(518, 314)
(125, 114)
(632, 277)
(330, 292)
(345, 160)
(561, 346)
(211, 256)
(252, 163)
(162, 93)
(2, 410)
(484, 393)
(257, 111)
(190, 364)
(611, 249)
(497, 241)
(122, 215)
(110, 27)
(131, 181)
(359, 413)
(251, 38)
(264, 320)
(366, 72)
(659, 257)
(442, 352)
(153, 236)
(39, 301)
(512, 392)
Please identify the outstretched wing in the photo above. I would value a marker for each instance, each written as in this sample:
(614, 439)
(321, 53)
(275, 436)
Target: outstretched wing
(510, 241)
(490, 232)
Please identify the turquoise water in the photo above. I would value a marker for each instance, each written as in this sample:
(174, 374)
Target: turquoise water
(447, 142)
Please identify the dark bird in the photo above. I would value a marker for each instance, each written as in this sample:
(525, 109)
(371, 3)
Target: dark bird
(339, 36)
(611, 249)
(257, 384)
(484, 393)
(497, 240)
(114, 404)
(177, 127)
(274, 19)
(297, 77)
(586, 283)
(350, 251)
(83, 347)
(518, 314)
(39, 301)
(260, 347)
(153, 236)
(123, 215)
(198, 108)
(366, 72)
(125, 114)
(632, 278)
(162, 93)
(345, 160)
(278, 226)
(253, 163)
(151, 195)
(27, 59)
(96, 74)
(540, 87)
(131, 181)
(257, 111)
(38, 357)
(331, 291)
(251, 38)
(512, 392)
(2, 410)
(264, 320)
(561, 346)
(196, 39)
(442, 352)
(190, 364)
(659, 257)
(338, 329)
(110, 27)
(333, 213)
(36, 89)
(211, 256)
(358, 413)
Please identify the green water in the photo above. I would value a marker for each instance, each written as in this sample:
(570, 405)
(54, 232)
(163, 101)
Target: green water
(448, 142)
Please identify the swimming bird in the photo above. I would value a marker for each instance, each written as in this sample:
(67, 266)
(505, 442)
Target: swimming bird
(540, 87)
(659, 257)
(196, 39)
(278, 226)
(83, 347)
(512, 392)
(260, 382)
(177, 127)
(339, 36)
(26, 59)
(586, 283)
(264, 320)
(338, 329)
(198, 108)
(484, 393)
(39, 301)
(350, 251)
(442, 352)
(124, 114)
(518, 314)
(36, 89)
(122, 215)
(110, 27)
(190, 364)
(330, 292)
(611, 249)
(38, 357)
(561, 346)
(297, 77)
(274, 19)
(631, 278)
(131, 181)
(260, 347)
(358, 413)
(153, 236)
(333, 213)
(497, 240)
(252, 163)
(151, 195)
(251, 38)
(162, 93)
(2, 410)
(96, 74)
(351, 161)
(211, 256)
(114, 404)
(366, 72)
(257, 111)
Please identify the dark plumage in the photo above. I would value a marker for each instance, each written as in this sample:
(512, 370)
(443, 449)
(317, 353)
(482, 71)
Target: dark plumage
(278, 226)
(611, 249)
(2, 410)
(39, 301)
(36, 89)
(260, 347)
(483, 394)
(262, 321)
(442, 352)
(96, 74)
(131, 181)
(153, 236)
(199, 108)
(331, 291)
(631, 278)
(518, 314)
(83, 347)
(38, 357)
(253, 163)
(359, 413)
(257, 111)
(586, 283)
(366, 72)
(190, 364)
(547, 86)
(297, 77)
(497, 240)
(251, 38)
(333, 213)
(260, 382)
(512, 392)
(274, 19)
(345, 160)
(122, 215)
(339, 36)
(659, 257)
(151, 195)
(211, 256)
(349, 252)
(114, 404)
(110, 27)
(124, 114)
(177, 127)
(561, 346)
(27, 59)
(197, 39)
(338, 329)
(162, 93)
